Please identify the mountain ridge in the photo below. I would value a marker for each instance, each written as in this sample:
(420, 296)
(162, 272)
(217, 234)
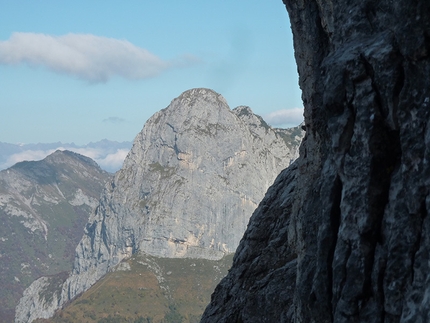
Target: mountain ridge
(187, 188)
(43, 206)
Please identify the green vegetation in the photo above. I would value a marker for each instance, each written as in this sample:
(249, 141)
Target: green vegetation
(157, 119)
(155, 290)
(263, 123)
(53, 287)
(164, 171)
(209, 129)
(289, 136)
(244, 111)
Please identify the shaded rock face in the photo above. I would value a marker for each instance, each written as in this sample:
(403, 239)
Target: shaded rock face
(193, 177)
(343, 234)
(44, 206)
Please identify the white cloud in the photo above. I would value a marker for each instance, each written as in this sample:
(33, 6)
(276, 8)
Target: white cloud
(285, 117)
(89, 57)
(25, 155)
(113, 162)
(110, 161)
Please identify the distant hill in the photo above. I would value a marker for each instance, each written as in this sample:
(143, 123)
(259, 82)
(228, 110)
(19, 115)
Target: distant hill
(44, 206)
(108, 154)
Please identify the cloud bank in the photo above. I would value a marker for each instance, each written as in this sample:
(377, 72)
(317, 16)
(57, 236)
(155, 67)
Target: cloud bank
(110, 161)
(285, 117)
(88, 57)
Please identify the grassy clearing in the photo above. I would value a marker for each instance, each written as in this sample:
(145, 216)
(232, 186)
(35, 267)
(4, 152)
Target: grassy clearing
(156, 290)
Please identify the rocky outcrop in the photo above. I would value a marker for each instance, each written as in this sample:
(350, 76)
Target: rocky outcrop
(43, 207)
(343, 234)
(193, 177)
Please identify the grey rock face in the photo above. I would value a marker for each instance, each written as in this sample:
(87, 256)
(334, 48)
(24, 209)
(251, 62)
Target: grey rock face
(260, 286)
(193, 177)
(343, 235)
(42, 297)
(43, 208)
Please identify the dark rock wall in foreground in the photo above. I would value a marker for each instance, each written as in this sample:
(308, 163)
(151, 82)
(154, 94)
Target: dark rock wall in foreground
(344, 234)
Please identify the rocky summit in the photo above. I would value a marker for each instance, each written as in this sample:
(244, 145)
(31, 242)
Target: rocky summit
(193, 177)
(43, 208)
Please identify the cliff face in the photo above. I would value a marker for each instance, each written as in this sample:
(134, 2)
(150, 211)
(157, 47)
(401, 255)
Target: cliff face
(193, 177)
(190, 182)
(343, 234)
(43, 208)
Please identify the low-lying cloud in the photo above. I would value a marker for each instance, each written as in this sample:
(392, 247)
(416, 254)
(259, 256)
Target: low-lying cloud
(88, 57)
(25, 155)
(113, 162)
(110, 161)
(290, 117)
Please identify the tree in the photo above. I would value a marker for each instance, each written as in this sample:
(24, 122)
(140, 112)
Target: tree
(344, 234)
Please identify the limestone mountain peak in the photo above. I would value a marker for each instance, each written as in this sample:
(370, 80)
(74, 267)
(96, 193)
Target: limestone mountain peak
(187, 188)
(192, 95)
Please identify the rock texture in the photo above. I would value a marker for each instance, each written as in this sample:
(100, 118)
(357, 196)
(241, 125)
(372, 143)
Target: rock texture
(343, 235)
(193, 177)
(44, 206)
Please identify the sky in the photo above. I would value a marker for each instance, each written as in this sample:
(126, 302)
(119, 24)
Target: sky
(85, 70)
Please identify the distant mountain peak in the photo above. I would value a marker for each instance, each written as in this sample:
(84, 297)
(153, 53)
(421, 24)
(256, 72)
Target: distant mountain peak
(62, 156)
(108, 154)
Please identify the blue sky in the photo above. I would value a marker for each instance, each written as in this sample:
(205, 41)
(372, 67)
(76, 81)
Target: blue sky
(81, 71)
